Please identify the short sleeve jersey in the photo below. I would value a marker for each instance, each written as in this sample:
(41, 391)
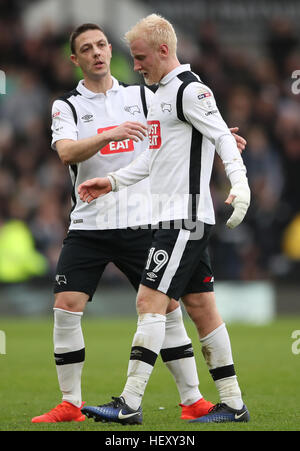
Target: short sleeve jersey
(81, 114)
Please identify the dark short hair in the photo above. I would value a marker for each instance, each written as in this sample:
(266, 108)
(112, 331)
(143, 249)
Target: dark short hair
(81, 29)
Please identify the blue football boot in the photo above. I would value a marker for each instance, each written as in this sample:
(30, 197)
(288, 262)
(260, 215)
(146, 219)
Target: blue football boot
(115, 411)
(221, 413)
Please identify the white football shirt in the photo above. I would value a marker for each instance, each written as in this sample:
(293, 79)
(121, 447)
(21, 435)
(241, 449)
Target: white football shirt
(82, 114)
(185, 128)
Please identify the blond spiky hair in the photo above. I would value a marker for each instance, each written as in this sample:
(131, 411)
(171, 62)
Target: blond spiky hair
(155, 30)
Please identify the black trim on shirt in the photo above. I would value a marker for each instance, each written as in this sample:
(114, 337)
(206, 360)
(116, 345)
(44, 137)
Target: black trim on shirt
(74, 169)
(65, 98)
(143, 98)
(188, 77)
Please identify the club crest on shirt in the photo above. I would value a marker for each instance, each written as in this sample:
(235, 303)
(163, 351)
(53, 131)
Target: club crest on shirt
(166, 107)
(132, 109)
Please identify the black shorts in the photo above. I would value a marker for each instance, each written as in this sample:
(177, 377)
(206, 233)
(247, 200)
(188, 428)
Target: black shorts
(178, 262)
(85, 254)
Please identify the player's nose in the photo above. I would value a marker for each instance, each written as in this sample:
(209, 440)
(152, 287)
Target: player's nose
(96, 50)
(137, 66)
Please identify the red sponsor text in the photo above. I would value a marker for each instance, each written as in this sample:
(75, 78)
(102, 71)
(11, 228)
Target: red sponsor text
(126, 145)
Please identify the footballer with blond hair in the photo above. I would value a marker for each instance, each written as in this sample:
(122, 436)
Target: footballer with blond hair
(185, 130)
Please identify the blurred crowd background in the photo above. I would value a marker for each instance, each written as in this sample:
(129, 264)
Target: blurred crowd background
(253, 91)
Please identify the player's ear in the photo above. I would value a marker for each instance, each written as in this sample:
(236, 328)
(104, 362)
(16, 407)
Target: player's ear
(73, 58)
(164, 50)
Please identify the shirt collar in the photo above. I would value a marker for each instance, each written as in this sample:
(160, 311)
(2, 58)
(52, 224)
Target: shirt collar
(174, 73)
(90, 94)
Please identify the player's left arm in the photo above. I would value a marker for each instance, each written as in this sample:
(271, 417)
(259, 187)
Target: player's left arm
(201, 111)
(240, 141)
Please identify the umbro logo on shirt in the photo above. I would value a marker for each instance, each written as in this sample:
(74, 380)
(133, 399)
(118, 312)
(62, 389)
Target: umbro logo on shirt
(87, 118)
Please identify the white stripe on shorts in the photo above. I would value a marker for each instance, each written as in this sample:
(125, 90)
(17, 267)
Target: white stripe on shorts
(174, 261)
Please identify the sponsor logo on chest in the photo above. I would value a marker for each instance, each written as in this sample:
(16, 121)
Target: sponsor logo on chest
(154, 134)
(113, 147)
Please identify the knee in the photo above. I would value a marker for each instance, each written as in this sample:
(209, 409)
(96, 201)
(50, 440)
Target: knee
(200, 306)
(151, 301)
(202, 309)
(71, 301)
(173, 305)
(142, 304)
(200, 301)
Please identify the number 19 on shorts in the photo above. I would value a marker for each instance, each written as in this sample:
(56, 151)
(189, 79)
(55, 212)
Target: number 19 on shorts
(159, 257)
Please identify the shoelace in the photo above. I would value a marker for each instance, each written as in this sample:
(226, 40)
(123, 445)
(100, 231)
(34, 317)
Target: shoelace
(216, 407)
(115, 403)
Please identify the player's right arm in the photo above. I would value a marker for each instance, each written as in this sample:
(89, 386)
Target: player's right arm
(93, 188)
(73, 150)
(137, 170)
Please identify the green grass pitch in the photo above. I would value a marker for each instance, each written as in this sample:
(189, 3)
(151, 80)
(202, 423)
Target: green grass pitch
(266, 365)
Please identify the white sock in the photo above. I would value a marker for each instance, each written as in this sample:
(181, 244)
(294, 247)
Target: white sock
(69, 353)
(216, 349)
(177, 353)
(146, 345)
